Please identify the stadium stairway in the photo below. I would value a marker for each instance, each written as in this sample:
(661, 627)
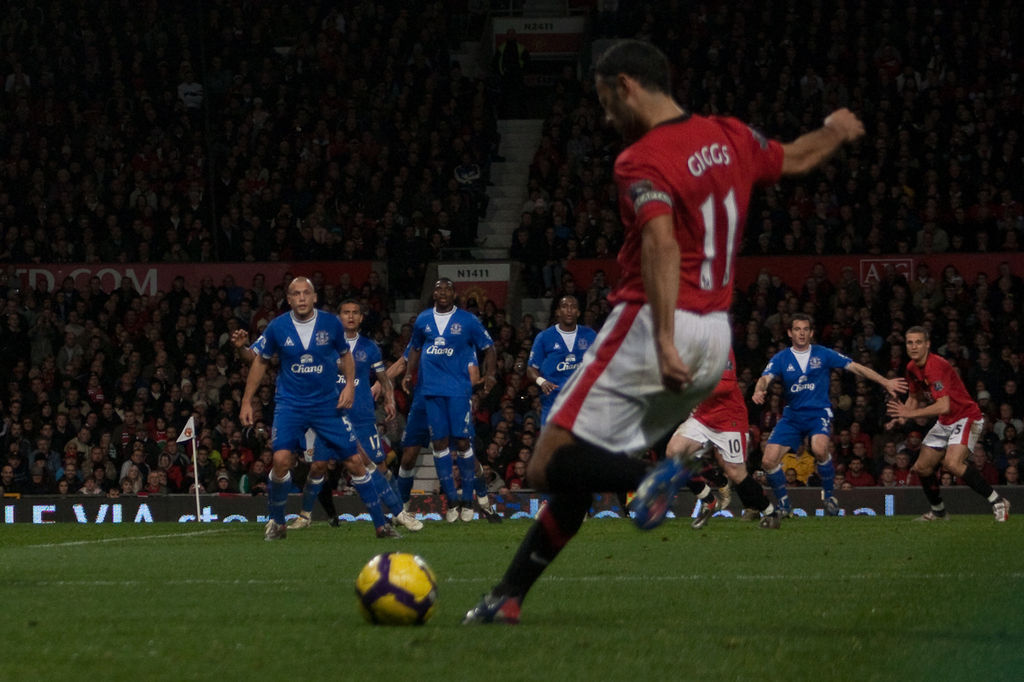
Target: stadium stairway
(406, 309)
(520, 139)
(426, 476)
(540, 308)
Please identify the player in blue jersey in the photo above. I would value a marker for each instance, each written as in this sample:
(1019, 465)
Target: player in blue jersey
(805, 370)
(246, 353)
(557, 352)
(310, 345)
(386, 493)
(363, 418)
(444, 337)
(417, 436)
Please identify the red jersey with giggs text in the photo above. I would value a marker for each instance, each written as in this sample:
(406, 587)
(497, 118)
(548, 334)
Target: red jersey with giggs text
(701, 170)
(724, 409)
(936, 379)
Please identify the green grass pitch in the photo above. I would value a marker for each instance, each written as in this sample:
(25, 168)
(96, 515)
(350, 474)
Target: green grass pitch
(853, 598)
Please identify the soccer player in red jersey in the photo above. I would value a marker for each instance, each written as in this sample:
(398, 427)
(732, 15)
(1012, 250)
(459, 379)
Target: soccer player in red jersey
(936, 390)
(721, 421)
(684, 184)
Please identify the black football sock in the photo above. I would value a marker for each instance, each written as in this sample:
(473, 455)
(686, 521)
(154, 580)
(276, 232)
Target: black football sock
(583, 468)
(930, 485)
(699, 487)
(972, 477)
(752, 494)
(326, 498)
(556, 524)
(714, 476)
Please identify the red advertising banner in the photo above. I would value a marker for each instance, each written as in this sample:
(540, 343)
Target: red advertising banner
(583, 271)
(149, 278)
(794, 270)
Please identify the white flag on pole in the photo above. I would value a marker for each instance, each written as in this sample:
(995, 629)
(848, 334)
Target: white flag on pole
(189, 432)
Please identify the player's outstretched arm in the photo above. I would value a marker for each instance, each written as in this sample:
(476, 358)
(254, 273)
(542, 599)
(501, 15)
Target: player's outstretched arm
(387, 390)
(411, 368)
(806, 152)
(659, 266)
(910, 409)
(240, 340)
(396, 369)
(252, 382)
(894, 386)
(490, 366)
(761, 388)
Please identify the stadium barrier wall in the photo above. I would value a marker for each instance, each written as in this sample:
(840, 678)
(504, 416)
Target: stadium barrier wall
(243, 508)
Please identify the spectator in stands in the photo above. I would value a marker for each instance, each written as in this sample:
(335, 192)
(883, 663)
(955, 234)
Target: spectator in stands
(1006, 419)
(132, 480)
(802, 463)
(901, 471)
(988, 471)
(857, 474)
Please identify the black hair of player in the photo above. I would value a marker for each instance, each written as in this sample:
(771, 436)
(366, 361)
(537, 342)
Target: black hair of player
(641, 61)
(801, 317)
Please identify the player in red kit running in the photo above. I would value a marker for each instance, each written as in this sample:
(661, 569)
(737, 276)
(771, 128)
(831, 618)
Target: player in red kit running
(721, 421)
(684, 183)
(936, 390)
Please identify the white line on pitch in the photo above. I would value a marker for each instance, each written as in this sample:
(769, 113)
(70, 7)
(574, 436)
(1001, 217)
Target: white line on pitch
(721, 577)
(130, 538)
(560, 579)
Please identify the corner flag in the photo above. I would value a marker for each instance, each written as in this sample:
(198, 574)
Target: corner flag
(189, 432)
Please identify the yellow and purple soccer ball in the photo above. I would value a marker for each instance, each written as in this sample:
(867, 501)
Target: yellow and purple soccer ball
(396, 588)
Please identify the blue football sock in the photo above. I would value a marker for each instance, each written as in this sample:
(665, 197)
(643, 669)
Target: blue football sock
(827, 474)
(406, 478)
(277, 495)
(443, 466)
(777, 479)
(467, 471)
(481, 486)
(309, 493)
(393, 482)
(385, 492)
(368, 494)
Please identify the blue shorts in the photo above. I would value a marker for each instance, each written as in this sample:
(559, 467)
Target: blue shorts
(794, 426)
(334, 437)
(369, 439)
(546, 402)
(449, 416)
(417, 432)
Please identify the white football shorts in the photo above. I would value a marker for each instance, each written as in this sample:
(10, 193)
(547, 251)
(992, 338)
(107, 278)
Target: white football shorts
(616, 400)
(964, 431)
(731, 444)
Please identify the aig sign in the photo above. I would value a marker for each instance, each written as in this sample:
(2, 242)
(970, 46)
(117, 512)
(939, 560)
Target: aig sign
(876, 269)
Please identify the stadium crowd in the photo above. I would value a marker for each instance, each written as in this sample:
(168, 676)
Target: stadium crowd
(129, 135)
